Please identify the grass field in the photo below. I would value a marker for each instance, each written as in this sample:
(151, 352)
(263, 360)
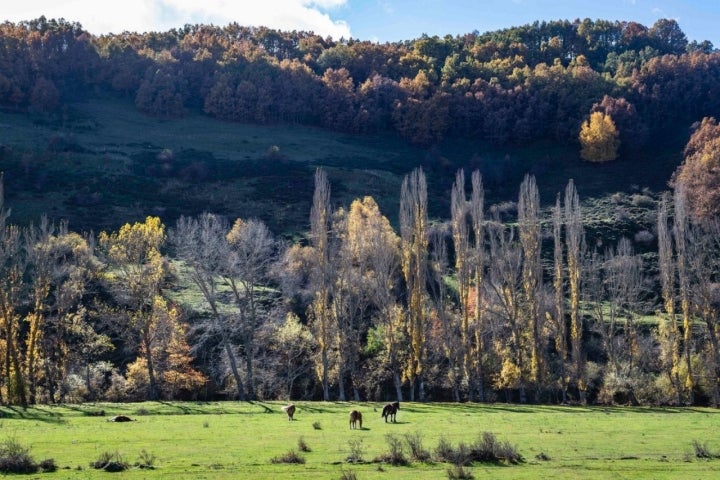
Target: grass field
(238, 440)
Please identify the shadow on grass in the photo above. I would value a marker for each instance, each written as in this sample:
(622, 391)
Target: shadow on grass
(31, 413)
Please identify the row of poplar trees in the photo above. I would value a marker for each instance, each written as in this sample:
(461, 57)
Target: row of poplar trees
(477, 308)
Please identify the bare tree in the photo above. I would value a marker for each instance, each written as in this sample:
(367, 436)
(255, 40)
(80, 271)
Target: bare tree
(251, 252)
(505, 284)
(450, 335)
(383, 249)
(202, 245)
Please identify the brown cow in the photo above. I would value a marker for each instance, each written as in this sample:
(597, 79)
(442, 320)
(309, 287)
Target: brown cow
(290, 410)
(355, 419)
(120, 418)
(390, 410)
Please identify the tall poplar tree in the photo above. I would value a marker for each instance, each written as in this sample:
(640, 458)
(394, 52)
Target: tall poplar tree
(414, 247)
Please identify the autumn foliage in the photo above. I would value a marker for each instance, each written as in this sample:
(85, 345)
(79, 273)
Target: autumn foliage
(599, 138)
(699, 174)
(516, 85)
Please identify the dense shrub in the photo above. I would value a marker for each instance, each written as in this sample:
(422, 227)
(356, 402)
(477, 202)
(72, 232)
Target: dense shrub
(15, 458)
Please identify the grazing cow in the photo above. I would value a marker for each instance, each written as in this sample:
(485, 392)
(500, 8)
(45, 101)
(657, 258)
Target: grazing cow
(355, 419)
(290, 410)
(390, 410)
(120, 418)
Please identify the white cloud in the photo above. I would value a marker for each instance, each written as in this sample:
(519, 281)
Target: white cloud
(160, 15)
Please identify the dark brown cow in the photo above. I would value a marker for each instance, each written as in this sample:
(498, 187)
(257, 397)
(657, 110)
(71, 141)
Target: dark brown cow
(355, 419)
(120, 418)
(290, 410)
(390, 410)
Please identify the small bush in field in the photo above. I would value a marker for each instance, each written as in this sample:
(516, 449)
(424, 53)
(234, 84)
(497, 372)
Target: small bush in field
(702, 450)
(48, 465)
(485, 449)
(348, 475)
(417, 452)
(317, 426)
(395, 455)
(290, 457)
(488, 449)
(110, 462)
(458, 472)
(356, 451)
(146, 460)
(303, 446)
(460, 455)
(15, 458)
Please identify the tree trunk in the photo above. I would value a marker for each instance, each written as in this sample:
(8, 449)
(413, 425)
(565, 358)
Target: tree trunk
(233, 368)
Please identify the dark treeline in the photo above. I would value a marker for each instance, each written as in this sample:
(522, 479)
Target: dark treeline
(494, 304)
(515, 85)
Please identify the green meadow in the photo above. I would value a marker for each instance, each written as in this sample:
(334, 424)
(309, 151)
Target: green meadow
(227, 440)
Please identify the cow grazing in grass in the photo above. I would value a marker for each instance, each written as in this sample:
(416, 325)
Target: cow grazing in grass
(390, 410)
(290, 410)
(355, 419)
(120, 418)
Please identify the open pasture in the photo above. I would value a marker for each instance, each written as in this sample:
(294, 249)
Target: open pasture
(239, 439)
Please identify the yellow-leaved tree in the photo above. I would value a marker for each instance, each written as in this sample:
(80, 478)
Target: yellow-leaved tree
(136, 270)
(599, 138)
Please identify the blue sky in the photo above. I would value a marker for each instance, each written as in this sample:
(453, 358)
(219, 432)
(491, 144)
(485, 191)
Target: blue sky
(375, 20)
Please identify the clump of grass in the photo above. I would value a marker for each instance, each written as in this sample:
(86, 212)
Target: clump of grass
(303, 446)
(458, 472)
(110, 462)
(146, 460)
(702, 450)
(142, 411)
(15, 458)
(348, 475)
(317, 426)
(542, 456)
(356, 451)
(394, 455)
(290, 457)
(417, 452)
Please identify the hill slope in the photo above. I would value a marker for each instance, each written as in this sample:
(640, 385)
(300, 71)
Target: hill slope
(101, 164)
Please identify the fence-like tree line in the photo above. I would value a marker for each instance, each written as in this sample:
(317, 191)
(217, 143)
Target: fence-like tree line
(481, 307)
(516, 85)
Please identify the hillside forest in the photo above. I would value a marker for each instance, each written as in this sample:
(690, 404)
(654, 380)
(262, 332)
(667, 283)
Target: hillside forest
(504, 302)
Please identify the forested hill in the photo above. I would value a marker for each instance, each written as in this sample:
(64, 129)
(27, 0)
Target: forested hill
(512, 86)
